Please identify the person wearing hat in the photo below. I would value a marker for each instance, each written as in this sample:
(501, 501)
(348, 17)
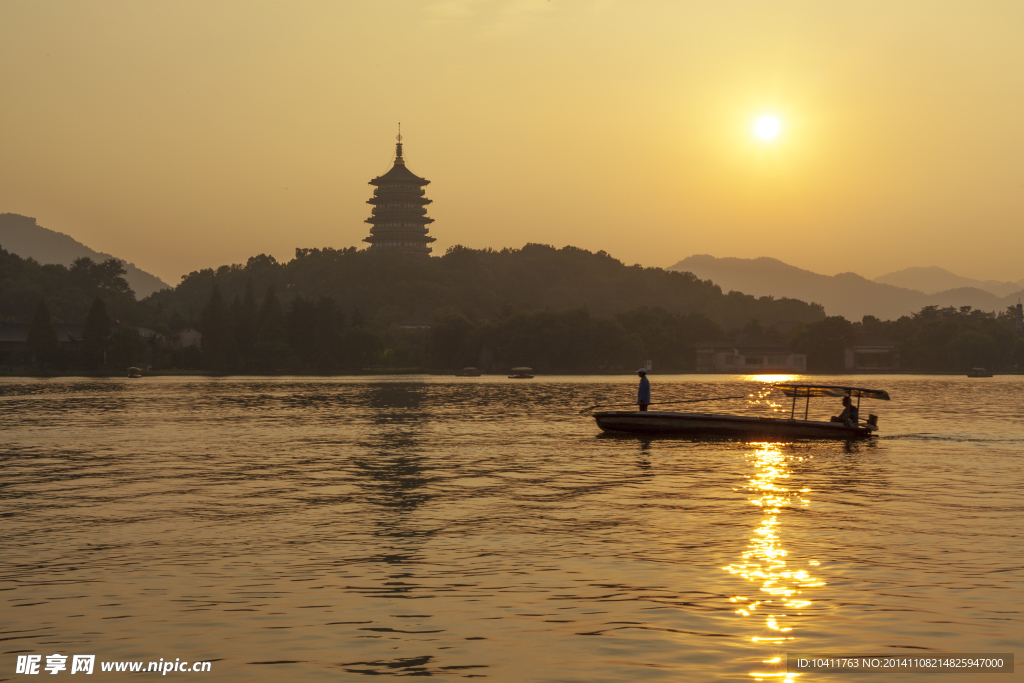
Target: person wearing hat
(643, 396)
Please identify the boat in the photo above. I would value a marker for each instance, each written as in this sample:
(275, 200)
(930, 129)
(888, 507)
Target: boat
(468, 372)
(134, 373)
(979, 372)
(521, 373)
(718, 425)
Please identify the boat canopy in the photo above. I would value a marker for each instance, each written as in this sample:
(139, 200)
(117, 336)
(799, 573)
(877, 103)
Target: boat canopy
(817, 390)
(522, 370)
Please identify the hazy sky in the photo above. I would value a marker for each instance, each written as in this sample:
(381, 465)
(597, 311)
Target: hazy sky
(183, 135)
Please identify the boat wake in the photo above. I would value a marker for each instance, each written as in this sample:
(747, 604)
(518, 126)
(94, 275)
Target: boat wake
(949, 438)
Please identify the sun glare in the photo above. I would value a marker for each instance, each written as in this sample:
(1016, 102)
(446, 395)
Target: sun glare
(767, 127)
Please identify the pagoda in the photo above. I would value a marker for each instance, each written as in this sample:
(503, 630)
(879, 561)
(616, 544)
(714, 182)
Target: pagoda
(399, 216)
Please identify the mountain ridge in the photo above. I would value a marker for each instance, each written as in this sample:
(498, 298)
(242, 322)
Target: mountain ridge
(848, 294)
(933, 279)
(23, 236)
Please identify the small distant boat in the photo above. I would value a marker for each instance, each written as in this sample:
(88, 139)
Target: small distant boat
(745, 428)
(979, 372)
(468, 372)
(521, 373)
(134, 373)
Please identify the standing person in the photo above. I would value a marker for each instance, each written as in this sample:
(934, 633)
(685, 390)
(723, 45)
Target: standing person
(643, 396)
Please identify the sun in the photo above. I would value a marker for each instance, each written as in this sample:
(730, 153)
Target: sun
(767, 127)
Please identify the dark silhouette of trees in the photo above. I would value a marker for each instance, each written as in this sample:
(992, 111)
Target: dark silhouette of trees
(932, 340)
(361, 348)
(69, 292)
(42, 343)
(127, 348)
(1017, 355)
(453, 342)
(557, 310)
(244, 324)
(669, 338)
(325, 354)
(95, 334)
(386, 288)
(825, 343)
(314, 333)
(271, 348)
(218, 341)
(107, 277)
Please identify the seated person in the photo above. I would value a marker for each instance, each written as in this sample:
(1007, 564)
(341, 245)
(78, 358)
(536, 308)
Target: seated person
(850, 413)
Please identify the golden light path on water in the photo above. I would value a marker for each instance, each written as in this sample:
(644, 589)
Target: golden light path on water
(779, 580)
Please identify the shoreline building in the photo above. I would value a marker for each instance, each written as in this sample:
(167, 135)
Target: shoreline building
(871, 353)
(399, 216)
(749, 354)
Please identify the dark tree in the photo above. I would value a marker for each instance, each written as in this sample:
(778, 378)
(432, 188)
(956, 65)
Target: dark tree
(1017, 355)
(217, 337)
(302, 324)
(245, 325)
(96, 334)
(176, 321)
(971, 349)
(93, 277)
(271, 349)
(361, 348)
(329, 325)
(127, 348)
(42, 341)
(452, 343)
(825, 343)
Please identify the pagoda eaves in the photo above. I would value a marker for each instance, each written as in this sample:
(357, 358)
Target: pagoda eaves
(399, 217)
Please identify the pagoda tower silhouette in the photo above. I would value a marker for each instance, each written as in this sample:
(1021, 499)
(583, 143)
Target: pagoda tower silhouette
(399, 216)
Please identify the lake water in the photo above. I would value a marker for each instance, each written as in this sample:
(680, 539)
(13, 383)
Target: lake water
(338, 528)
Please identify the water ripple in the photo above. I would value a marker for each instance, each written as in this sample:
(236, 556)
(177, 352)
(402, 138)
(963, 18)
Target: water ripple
(339, 528)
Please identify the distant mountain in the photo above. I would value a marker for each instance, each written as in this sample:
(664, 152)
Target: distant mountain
(933, 279)
(846, 294)
(22, 236)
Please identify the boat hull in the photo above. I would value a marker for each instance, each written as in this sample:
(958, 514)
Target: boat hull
(724, 426)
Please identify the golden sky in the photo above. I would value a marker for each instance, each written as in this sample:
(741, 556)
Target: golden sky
(182, 135)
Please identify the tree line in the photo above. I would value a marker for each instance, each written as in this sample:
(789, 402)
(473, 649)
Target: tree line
(932, 340)
(68, 290)
(557, 310)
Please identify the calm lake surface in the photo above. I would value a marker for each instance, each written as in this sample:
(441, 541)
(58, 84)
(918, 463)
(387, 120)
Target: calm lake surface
(338, 528)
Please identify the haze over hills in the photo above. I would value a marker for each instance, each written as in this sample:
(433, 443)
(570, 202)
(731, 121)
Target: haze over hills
(845, 294)
(932, 280)
(21, 235)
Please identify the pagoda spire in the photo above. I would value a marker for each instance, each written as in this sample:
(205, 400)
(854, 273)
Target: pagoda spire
(398, 146)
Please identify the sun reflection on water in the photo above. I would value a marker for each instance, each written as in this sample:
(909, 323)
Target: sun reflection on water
(780, 582)
(762, 397)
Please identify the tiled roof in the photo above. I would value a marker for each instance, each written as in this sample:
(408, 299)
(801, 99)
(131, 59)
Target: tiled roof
(399, 174)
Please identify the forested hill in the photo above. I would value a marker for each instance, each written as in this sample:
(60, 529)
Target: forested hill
(380, 289)
(68, 291)
(21, 235)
